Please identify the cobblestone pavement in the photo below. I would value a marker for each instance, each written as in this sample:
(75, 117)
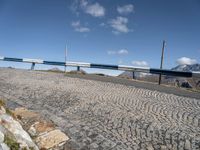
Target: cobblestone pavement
(106, 116)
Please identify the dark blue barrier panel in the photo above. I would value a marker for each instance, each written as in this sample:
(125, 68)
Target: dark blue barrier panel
(100, 66)
(170, 72)
(54, 63)
(13, 59)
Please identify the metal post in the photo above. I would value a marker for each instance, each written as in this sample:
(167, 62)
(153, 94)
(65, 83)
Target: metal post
(78, 68)
(161, 63)
(133, 75)
(32, 66)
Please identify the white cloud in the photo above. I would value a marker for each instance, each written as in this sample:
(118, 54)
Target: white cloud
(126, 9)
(119, 25)
(140, 63)
(119, 52)
(78, 28)
(96, 10)
(186, 61)
(76, 24)
(123, 51)
(111, 52)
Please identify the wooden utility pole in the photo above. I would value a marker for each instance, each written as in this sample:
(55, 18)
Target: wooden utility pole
(161, 63)
(65, 56)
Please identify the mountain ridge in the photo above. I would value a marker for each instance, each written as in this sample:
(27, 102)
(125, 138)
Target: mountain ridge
(193, 67)
(169, 80)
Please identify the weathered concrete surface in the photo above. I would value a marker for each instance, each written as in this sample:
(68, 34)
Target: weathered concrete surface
(100, 115)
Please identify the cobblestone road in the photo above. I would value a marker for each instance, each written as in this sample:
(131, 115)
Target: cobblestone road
(100, 115)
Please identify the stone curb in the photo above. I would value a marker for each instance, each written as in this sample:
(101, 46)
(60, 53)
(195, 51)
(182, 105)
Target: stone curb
(45, 134)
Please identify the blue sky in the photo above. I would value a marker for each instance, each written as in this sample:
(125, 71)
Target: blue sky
(127, 32)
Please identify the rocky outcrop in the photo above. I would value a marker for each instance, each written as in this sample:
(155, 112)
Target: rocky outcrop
(43, 131)
(12, 135)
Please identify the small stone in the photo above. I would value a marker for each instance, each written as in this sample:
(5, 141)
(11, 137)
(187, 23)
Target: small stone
(108, 144)
(99, 138)
(73, 130)
(187, 145)
(150, 147)
(94, 146)
(1, 137)
(2, 110)
(87, 141)
(163, 147)
(32, 131)
(72, 145)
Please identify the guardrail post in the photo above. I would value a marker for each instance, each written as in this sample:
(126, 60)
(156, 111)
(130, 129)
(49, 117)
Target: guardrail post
(133, 75)
(78, 68)
(33, 66)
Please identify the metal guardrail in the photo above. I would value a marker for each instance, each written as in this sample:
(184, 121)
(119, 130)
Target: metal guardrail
(103, 66)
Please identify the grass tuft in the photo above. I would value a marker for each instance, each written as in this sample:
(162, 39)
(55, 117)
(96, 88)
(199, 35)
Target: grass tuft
(2, 103)
(12, 144)
(9, 112)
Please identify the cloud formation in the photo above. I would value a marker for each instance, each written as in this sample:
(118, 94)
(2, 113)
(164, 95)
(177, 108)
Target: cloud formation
(126, 9)
(140, 63)
(186, 61)
(95, 10)
(123, 51)
(78, 28)
(119, 25)
(119, 52)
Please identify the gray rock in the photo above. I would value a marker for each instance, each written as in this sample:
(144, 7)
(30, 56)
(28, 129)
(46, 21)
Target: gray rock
(1, 137)
(3, 146)
(187, 145)
(16, 129)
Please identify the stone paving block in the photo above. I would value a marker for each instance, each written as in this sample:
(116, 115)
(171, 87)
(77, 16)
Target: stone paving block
(24, 113)
(134, 117)
(41, 127)
(51, 139)
(26, 117)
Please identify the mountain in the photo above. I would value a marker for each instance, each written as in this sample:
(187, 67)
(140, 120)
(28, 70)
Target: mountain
(194, 67)
(187, 82)
(129, 75)
(169, 80)
(54, 69)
